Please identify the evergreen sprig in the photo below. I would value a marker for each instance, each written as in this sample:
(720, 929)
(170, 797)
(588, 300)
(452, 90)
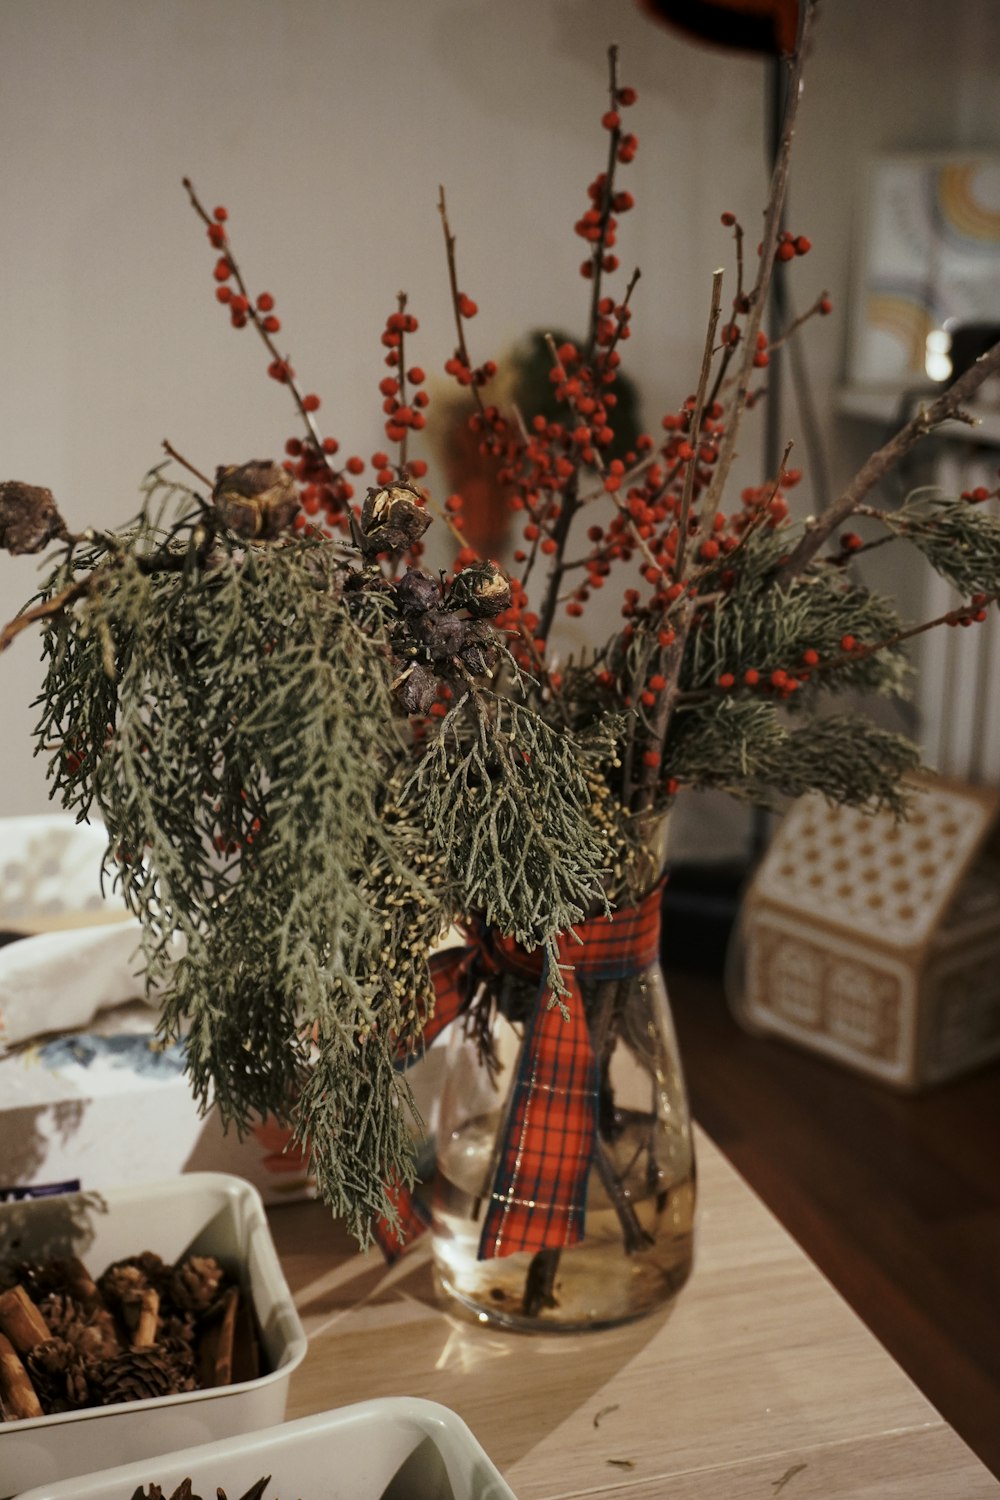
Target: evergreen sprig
(960, 541)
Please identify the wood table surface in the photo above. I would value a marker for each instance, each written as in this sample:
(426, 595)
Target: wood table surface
(760, 1382)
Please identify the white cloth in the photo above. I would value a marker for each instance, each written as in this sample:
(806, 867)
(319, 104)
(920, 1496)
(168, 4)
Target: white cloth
(50, 877)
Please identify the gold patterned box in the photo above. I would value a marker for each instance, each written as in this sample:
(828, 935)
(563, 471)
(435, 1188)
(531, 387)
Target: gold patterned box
(877, 943)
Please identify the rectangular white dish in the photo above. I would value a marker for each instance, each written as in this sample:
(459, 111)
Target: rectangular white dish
(207, 1213)
(350, 1454)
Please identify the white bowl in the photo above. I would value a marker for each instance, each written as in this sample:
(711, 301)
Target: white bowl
(350, 1454)
(206, 1213)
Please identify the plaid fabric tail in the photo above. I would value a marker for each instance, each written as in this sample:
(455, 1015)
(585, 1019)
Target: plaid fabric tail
(539, 1193)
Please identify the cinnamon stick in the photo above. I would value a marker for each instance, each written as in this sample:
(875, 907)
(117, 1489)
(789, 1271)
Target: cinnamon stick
(142, 1316)
(16, 1390)
(21, 1321)
(80, 1284)
(215, 1352)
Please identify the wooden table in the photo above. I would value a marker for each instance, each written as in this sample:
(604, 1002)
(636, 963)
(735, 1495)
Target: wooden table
(760, 1382)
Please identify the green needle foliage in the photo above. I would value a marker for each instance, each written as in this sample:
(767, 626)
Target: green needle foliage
(291, 851)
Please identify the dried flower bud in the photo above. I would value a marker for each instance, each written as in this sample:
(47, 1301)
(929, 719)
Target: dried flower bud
(416, 690)
(256, 500)
(392, 519)
(29, 517)
(481, 589)
(416, 593)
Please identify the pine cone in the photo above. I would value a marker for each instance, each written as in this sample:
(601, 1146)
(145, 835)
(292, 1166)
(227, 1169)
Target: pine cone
(138, 1375)
(62, 1379)
(90, 1329)
(29, 517)
(197, 1282)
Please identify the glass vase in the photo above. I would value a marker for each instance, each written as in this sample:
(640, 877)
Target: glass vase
(629, 1250)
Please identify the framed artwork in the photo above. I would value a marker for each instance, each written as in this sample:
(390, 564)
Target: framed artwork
(927, 259)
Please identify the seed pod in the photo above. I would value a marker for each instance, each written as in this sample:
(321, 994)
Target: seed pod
(392, 520)
(29, 517)
(416, 593)
(416, 691)
(441, 632)
(478, 652)
(481, 589)
(257, 500)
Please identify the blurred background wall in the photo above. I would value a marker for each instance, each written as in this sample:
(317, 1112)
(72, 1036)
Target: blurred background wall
(326, 126)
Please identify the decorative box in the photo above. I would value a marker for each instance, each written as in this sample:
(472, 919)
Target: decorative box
(877, 943)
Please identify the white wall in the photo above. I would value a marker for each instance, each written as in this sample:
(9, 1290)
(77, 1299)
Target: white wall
(326, 126)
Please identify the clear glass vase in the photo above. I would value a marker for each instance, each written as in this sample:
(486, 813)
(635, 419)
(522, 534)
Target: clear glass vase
(632, 1251)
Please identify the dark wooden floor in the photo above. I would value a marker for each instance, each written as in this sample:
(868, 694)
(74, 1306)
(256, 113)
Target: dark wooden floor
(896, 1199)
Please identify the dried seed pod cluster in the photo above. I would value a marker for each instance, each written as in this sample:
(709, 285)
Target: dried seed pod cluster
(184, 1491)
(144, 1329)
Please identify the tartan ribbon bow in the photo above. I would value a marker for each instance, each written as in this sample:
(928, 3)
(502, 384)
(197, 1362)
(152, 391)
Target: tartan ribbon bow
(538, 1194)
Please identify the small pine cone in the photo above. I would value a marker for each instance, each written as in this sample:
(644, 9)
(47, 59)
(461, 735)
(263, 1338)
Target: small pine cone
(122, 1282)
(62, 1313)
(29, 517)
(138, 1375)
(60, 1377)
(197, 1283)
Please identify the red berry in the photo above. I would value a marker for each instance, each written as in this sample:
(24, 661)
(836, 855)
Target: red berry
(354, 464)
(272, 324)
(726, 681)
(825, 305)
(310, 403)
(265, 302)
(810, 657)
(729, 220)
(466, 306)
(220, 214)
(847, 643)
(851, 542)
(627, 96)
(223, 270)
(785, 251)
(651, 758)
(751, 677)
(802, 244)
(417, 468)
(611, 119)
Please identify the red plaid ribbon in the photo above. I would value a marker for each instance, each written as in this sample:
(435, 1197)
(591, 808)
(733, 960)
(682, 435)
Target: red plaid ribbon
(538, 1195)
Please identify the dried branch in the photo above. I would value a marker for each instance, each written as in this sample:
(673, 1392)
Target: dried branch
(948, 407)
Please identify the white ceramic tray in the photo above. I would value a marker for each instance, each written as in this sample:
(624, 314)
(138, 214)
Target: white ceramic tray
(350, 1454)
(207, 1213)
